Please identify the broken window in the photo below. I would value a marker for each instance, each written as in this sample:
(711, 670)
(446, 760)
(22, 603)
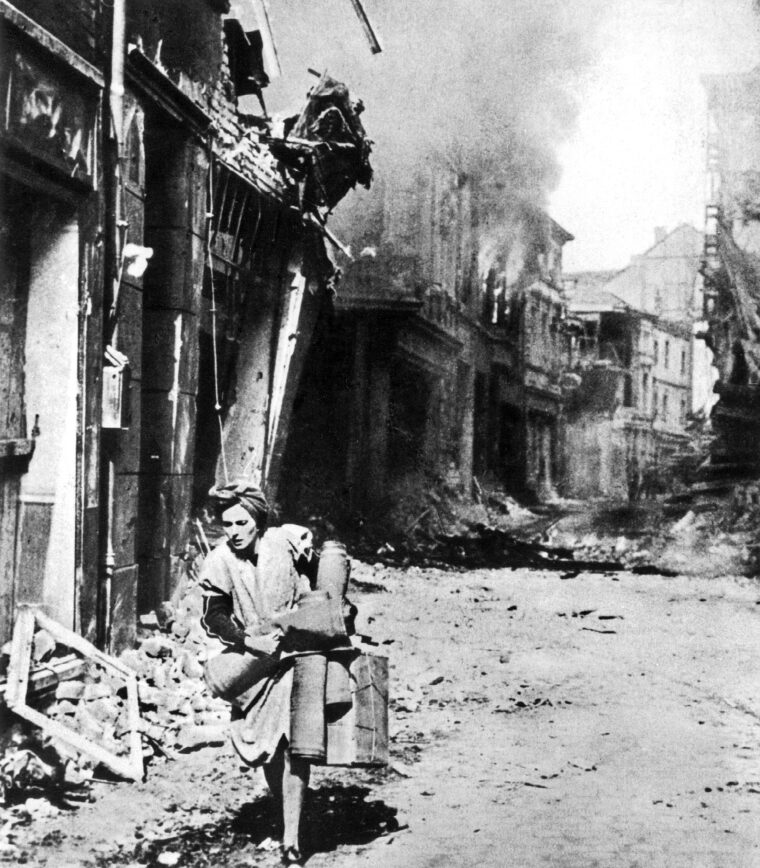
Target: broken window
(46, 111)
(628, 391)
(245, 52)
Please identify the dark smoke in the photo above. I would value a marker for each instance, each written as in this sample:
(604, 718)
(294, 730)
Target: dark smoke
(486, 88)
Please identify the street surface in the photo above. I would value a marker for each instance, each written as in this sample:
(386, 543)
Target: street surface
(535, 721)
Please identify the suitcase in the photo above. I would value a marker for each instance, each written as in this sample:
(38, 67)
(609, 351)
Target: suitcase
(359, 736)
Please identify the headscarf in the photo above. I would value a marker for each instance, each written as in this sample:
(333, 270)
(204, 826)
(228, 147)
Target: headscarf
(248, 496)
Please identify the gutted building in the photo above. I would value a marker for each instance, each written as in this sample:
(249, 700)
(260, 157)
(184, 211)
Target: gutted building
(442, 358)
(626, 416)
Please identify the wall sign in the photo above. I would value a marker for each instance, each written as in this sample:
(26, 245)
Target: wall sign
(46, 111)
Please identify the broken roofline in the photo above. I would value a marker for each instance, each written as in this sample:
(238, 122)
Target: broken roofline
(251, 161)
(618, 306)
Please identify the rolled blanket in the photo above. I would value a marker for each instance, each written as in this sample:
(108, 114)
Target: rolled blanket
(316, 625)
(232, 674)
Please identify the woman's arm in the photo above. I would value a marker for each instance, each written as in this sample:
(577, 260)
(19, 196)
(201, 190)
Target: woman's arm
(219, 621)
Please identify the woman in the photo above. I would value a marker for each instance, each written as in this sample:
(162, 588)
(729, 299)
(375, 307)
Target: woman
(248, 579)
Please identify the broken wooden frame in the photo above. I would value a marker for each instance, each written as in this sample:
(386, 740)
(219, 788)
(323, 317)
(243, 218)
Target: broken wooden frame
(130, 767)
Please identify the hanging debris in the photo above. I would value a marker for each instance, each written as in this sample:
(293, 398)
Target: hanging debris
(326, 147)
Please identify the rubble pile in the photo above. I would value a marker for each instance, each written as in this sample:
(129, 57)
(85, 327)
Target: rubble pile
(424, 508)
(40, 775)
(177, 712)
(631, 554)
(33, 764)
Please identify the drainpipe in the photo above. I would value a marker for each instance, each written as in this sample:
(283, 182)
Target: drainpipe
(114, 139)
(118, 48)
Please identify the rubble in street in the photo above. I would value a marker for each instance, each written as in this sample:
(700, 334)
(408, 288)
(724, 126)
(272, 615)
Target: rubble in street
(436, 526)
(40, 774)
(177, 712)
(483, 660)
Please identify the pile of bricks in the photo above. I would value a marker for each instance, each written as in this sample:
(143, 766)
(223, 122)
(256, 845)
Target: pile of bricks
(177, 712)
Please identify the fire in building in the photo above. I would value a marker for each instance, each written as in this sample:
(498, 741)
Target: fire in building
(165, 257)
(443, 358)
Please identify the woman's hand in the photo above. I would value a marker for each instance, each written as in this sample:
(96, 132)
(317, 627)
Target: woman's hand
(264, 645)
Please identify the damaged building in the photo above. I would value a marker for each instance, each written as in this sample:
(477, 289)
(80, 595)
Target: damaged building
(732, 272)
(638, 369)
(165, 258)
(442, 359)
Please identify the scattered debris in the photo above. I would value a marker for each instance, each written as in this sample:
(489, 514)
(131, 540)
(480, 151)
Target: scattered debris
(86, 720)
(488, 546)
(87, 708)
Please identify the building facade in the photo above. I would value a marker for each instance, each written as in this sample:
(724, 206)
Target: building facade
(166, 261)
(627, 416)
(442, 359)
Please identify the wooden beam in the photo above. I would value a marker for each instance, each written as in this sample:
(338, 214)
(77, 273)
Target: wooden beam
(269, 47)
(131, 766)
(369, 30)
(21, 657)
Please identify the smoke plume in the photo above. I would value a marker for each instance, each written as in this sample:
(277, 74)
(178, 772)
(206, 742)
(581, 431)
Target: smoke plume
(484, 87)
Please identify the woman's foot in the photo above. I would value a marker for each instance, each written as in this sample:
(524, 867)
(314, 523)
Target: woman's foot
(291, 856)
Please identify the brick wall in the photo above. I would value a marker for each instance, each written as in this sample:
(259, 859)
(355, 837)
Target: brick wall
(78, 23)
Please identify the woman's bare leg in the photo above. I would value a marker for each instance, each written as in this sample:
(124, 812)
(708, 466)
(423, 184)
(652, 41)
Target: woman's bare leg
(273, 771)
(295, 780)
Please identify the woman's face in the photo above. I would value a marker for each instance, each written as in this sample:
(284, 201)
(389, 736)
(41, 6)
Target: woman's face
(239, 527)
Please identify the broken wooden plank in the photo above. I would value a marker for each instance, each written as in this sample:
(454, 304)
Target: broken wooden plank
(311, 219)
(21, 657)
(78, 643)
(131, 766)
(123, 766)
(369, 30)
(49, 675)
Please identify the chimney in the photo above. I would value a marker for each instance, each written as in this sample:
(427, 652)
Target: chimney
(659, 234)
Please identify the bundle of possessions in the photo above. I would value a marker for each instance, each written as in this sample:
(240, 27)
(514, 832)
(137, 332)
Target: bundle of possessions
(338, 680)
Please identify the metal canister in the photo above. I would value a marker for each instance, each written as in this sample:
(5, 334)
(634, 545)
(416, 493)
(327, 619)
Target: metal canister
(334, 569)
